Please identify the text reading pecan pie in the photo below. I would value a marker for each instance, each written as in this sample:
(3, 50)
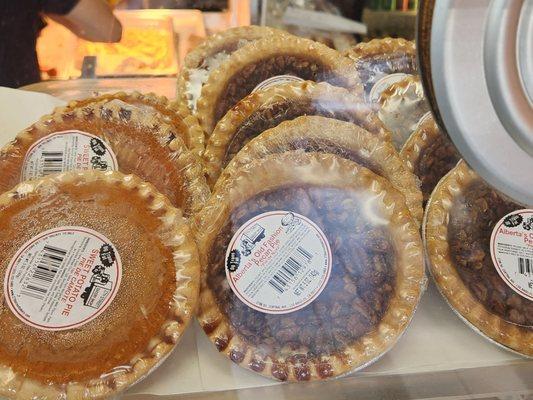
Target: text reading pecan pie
(313, 266)
(461, 226)
(265, 109)
(110, 135)
(184, 125)
(268, 62)
(430, 154)
(99, 279)
(346, 140)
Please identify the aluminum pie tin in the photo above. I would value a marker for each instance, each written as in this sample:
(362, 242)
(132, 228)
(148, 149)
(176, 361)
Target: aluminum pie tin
(477, 60)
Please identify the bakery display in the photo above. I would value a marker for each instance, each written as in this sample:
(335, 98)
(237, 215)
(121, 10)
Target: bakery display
(265, 109)
(429, 154)
(99, 279)
(109, 135)
(330, 136)
(267, 62)
(185, 126)
(316, 218)
(462, 219)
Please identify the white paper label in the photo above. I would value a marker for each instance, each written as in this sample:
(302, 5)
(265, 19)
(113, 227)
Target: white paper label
(63, 278)
(278, 262)
(276, 80)
(67, 151)
(384, 83)
(511, 248)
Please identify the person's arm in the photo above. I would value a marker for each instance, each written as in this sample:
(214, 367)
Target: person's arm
(91, 20)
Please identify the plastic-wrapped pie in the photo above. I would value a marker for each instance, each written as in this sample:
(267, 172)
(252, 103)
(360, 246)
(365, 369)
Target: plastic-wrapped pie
(403, 107)
(99, 279)
(209, 54)
(312, 266)
(265, 109)
(184, 125)
(268, 62)
(344, 139)
(110, 135)
(429, 154)
(381, 62)
(479, 247)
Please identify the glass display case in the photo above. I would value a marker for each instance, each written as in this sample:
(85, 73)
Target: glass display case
(257, 199)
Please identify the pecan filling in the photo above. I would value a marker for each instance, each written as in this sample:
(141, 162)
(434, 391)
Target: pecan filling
(271, 116)
(371, 69)
(471, 223)
(435, 161)
(245, 80)
(358, 291)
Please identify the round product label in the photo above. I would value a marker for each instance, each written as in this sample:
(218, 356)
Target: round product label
(278, 262)
(511, 248)
(67, 151)
(276, 80)
(63, 278)
(383, 83)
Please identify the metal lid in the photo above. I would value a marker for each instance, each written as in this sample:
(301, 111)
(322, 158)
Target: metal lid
(477, 57)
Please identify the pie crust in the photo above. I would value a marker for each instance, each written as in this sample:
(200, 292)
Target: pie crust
(330, 136)
(429, 154)
(265, 109)
(148, 315)
(459, 219)
(402, 108)
(185, 126)
(339, 332)
(208, 54)
(142, 143)
(380, 57)
(266, 58)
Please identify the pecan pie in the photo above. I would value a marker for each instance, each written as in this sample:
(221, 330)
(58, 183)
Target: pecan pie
(265, 109)
(207, 56)
(429, 154)
(376, 276)
(184, 125)
(267, 62)
(460, 217)
(104, 136)
(380, 58)
(346, 140)
(99, 279)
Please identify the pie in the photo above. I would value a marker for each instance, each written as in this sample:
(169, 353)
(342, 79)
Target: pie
(344, 139)
(380, 58)
(126, 137)
(429, 154)
(402, 107)
(460, 217)
(138, 291)
(268, 62)
(376, 276)
(185, 126)
(265, 109)
(209, 54)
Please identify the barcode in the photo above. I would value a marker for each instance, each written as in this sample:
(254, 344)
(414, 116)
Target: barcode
(43, 275)
(52, 162)
(281, 279)
(525, 266)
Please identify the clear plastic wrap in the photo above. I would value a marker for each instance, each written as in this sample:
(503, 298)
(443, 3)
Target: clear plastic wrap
(267, 62)
(128, 138)
(265, 109)
(429, 154)
(376, 270)
(139, 289)
(459, 230)
(346, 140)
(184, 124)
